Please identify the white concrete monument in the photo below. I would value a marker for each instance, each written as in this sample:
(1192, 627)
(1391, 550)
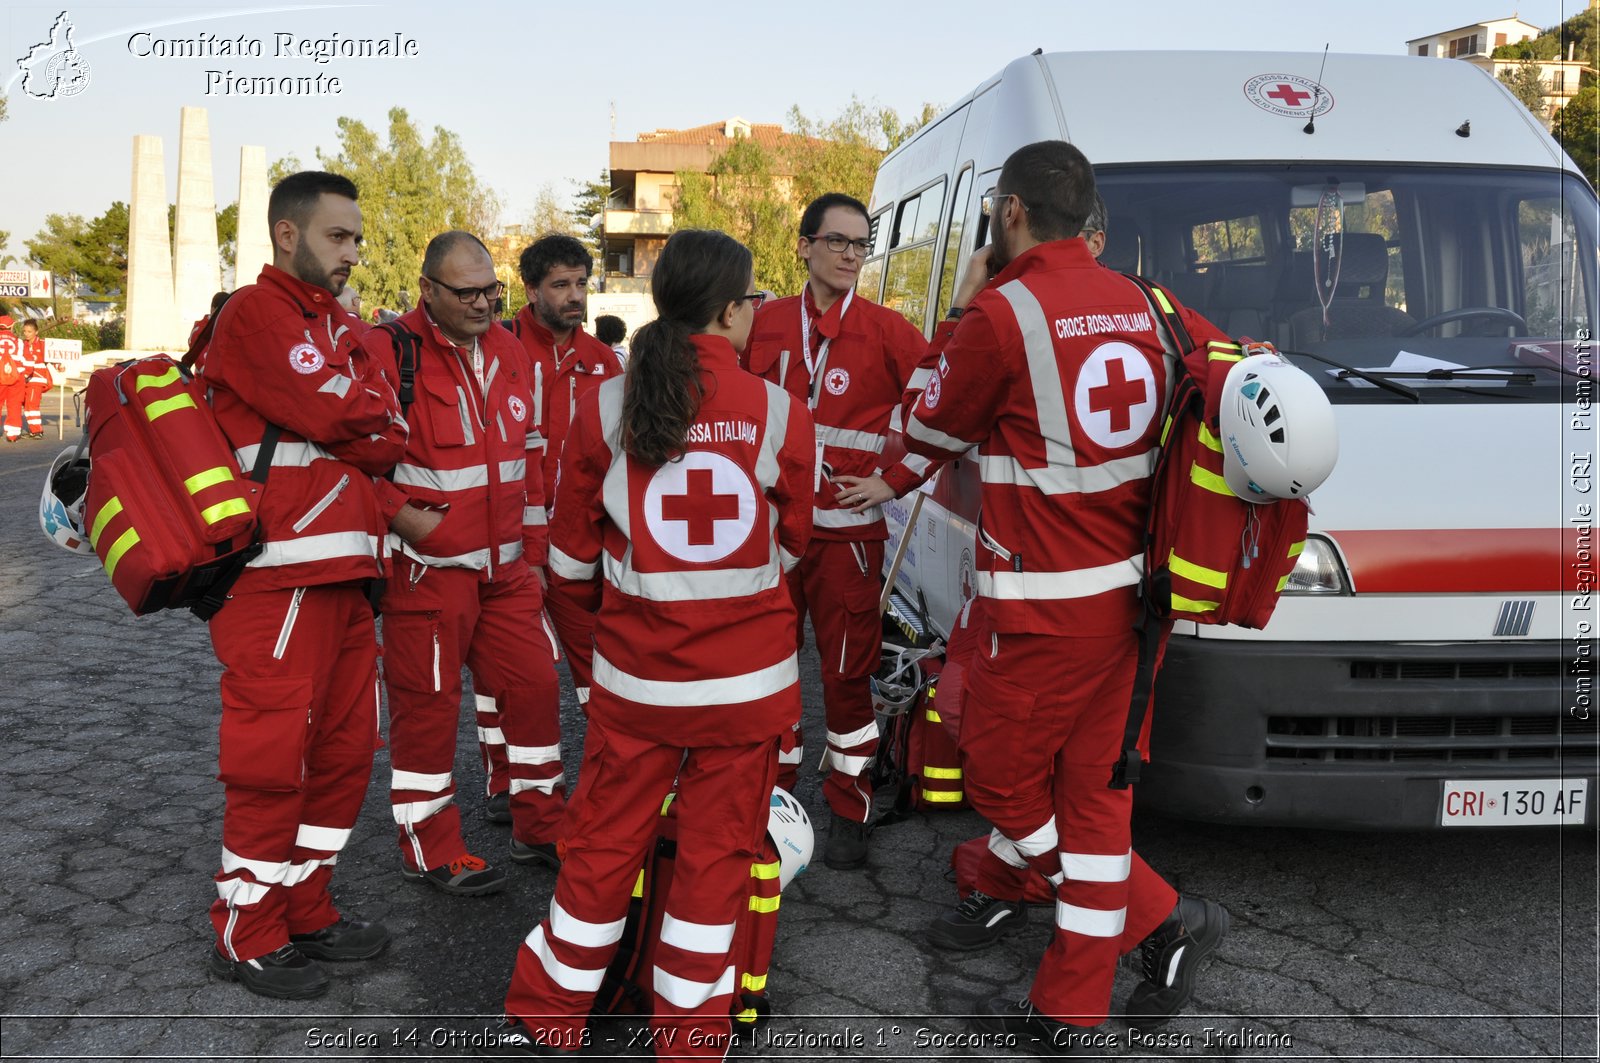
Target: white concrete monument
(150, 323)
(253, 248)
(197, 272)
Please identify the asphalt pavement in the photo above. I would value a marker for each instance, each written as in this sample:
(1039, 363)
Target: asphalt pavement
(1345, 946)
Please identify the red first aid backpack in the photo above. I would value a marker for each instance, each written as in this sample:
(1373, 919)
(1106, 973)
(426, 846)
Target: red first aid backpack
(628, 984)
(10, 359)
(1209, 556)
(167, 511)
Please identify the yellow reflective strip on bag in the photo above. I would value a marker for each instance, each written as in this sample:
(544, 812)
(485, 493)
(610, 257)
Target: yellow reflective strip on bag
(1217, 351)
(747, 1015)
(764, 904)
(124, 543)
(753, 982)
(1209, 480)
(233, 507)
(210, 478)
(949, 797)
(1166, 430)
(766, 871)
(1161, 297)
(1190, 605)
(932, 716)
(1297, 549)
(166, 406)
(1207, 440)
(667, 803)
(1282, 583)
(1196, 573)
(107, 513)
(929, 772)
(638, 884)
(171, 376)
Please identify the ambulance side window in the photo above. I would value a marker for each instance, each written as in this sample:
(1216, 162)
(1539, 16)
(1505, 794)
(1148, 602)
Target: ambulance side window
(870, 279)
(909, 276)
(953, 259)
(1553, 295)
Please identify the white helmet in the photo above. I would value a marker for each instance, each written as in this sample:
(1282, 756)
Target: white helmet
(790, 830)
(61, 504)
(1279, 439)
(899, 679)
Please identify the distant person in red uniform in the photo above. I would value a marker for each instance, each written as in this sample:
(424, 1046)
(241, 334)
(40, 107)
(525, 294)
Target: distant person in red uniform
(37, 379)
(686, 487)
(13, 378)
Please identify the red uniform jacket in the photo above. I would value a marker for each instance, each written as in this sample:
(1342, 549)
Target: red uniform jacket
(37, 370)
(695, 641)
(871, 356)
(468, 451)
(13, 364)
(285, 352)
(1057, 374)
(561, 378)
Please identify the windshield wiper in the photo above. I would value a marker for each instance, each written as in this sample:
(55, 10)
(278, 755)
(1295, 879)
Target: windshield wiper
(1345, 371)
(1467, 372)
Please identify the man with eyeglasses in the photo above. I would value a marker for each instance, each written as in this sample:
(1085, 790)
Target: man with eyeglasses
(1052, 367)
(849, 359)
(467, 525)
(567, 364)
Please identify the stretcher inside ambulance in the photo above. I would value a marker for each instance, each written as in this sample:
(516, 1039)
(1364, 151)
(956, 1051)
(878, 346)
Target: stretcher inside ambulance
(1420, 669)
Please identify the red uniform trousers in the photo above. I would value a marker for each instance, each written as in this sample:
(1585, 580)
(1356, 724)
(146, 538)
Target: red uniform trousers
(447, 618)
(837, 582)
(299, 724)
(1040, 730)
(723, 796)
(11, 408)
(32, 397)
(574, 628)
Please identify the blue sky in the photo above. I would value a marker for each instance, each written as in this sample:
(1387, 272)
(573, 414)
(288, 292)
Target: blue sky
(530, 87)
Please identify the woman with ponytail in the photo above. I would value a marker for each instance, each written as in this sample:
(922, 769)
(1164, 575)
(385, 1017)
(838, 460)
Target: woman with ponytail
(686, 486)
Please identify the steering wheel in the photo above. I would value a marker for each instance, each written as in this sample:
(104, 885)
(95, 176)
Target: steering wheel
(1461, 313)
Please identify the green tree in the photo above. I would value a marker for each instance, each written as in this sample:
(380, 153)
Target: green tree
(412, 189)
(588, 207)
(1527, 86)
(1577, 127)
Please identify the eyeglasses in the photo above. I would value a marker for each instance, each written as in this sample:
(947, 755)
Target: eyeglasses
(989, 201)
(837, 243)
(756, 299)
(470, 295)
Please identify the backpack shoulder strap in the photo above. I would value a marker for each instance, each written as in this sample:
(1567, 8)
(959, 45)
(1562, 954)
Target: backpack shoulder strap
(407, 351)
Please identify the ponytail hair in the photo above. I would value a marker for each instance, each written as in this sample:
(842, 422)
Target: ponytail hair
(699, 272)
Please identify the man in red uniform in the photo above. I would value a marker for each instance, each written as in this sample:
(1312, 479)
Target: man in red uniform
(850, 361)
(36, 379)
(13, 378)
(296, 638)
(1055, 371)
(466, 508)
(567, 364)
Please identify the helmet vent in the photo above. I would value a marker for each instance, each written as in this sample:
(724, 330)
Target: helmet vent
(1277, 435)
(1263, 396)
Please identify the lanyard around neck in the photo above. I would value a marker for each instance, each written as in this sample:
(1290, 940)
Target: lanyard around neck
(815, 364)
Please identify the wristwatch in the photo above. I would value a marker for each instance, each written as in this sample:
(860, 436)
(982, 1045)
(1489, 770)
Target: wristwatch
(954, 313)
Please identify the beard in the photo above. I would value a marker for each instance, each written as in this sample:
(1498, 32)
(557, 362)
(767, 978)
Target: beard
(556, 320)
(308, 269)
(1000, 250)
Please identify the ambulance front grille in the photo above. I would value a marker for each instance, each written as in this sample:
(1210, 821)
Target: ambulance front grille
(1551, 738)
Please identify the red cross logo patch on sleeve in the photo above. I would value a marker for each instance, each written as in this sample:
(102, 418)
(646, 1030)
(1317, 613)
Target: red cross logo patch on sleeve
(518, 410)
(305, 358)
(1116, 396)
(700, 509)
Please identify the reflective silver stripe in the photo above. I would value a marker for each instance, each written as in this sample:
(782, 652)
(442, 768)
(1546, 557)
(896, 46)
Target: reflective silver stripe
(777, 430)
(241, 893)
(509, 552)
(336, 385)
(533, 754)
(580, 932)
(544, 786)
(792, 756)
(850, 439)
(843, 518)
(1093, 867)
(1006, 849)
(420, 781)
(1044, 840)
(491, 736)
(409, 812)
(917, 463)
(710, 585)
(730, 690)
(919, 378)
(709, 939)
(869, 733)
(263, 870)
(686, 994)
(1078, 583)
(536, 441)
(473, 559)
(285, 455)
(572, 979)
(568, 567)
(473, 476)
(316, 548)
(515, 469)
(464, 408)
(534, 516)
(787, 560)
(1069, 479)
(484, 703)
(614, 486)
(1090, 922)
(846, 765)
(1044, 374)
(323, 839)
(935, 438)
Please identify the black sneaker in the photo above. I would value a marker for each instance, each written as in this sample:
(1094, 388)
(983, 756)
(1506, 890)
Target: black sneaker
(498, 808)
(511, 1039)
(468, 876)
(348, 939)
(976, 923)
(1171, 956)
(543, 853)
(286, 974)
(847, 844)
(1017, 1021)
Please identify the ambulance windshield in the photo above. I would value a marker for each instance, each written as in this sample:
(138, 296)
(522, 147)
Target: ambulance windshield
(1409, 269)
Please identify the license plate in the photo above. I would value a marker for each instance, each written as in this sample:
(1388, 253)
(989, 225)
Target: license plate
(1519, 803)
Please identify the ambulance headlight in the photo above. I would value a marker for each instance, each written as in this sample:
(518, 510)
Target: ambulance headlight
(1319, 570)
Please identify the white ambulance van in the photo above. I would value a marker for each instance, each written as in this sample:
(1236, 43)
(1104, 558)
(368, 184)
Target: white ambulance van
(1418, 242)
